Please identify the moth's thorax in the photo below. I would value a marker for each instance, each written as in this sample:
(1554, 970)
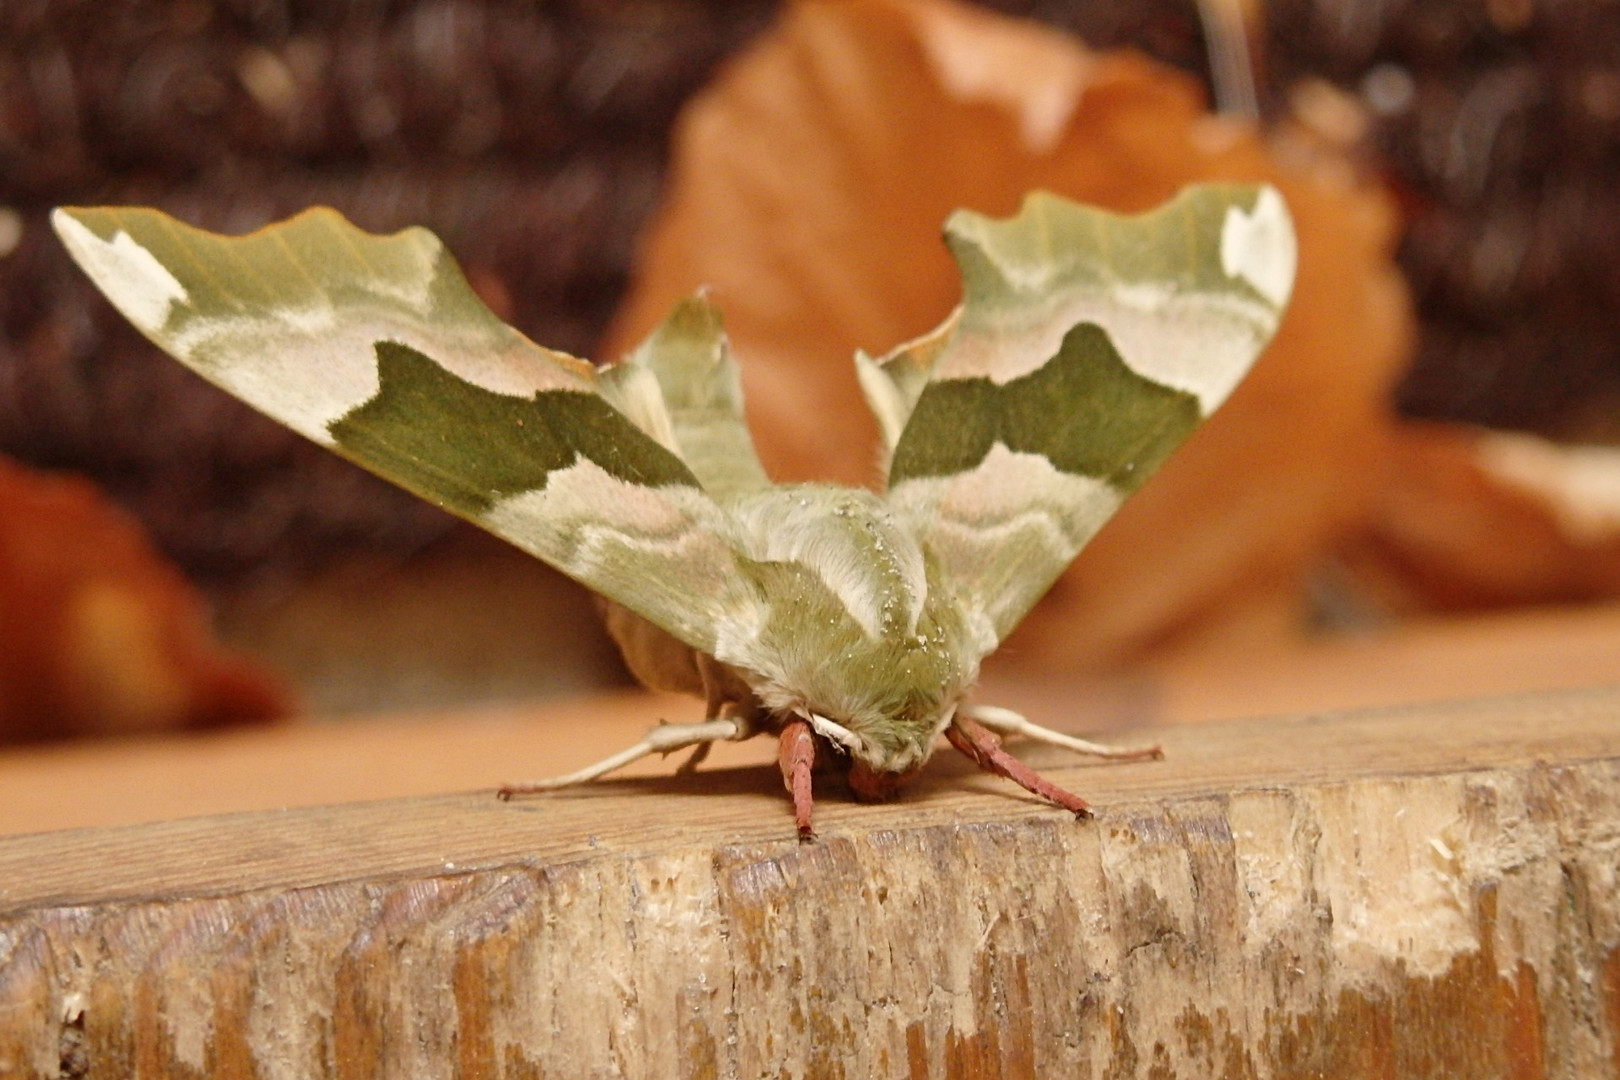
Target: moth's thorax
(856, 627)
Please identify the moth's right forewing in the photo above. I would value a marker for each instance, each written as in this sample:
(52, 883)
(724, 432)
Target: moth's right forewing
(1088, 347)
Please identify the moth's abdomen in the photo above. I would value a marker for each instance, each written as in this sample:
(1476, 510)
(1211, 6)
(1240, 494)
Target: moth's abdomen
(661, 661)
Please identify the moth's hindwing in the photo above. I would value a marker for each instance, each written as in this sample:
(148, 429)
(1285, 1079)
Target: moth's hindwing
(377, 347)
(698, 386)
(1088, 346)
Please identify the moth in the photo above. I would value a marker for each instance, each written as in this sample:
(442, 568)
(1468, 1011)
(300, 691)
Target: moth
(849, 624)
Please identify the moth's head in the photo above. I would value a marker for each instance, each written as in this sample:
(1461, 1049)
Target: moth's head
(872, 784)
(883, 752)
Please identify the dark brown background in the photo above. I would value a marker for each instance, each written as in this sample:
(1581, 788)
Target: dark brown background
(532, 138)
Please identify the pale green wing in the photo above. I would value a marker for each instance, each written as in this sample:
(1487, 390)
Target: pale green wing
(700, 389)
(376, 347)
(893, 383)
(1088, 346)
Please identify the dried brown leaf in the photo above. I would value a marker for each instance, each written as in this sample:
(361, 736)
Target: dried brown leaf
(98, 635)
(1470, 520)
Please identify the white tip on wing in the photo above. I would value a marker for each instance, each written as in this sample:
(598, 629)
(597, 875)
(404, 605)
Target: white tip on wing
(139, 285)
(1258, 246)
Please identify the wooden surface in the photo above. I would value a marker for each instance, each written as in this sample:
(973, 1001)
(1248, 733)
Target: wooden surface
(1428, 891)
(119, 782)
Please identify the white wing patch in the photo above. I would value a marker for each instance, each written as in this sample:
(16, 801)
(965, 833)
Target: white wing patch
(586, 497)
(139, 286)
(1011, 493)
(1202, 343)
(306, 377)
(1259, 247)
(501, 361)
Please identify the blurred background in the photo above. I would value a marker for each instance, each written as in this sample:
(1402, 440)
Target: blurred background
(168, 558)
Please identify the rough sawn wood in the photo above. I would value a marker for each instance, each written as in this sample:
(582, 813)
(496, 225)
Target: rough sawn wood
(1418, 892)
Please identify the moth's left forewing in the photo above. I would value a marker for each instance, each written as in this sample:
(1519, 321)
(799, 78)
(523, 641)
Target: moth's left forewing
(1088, 347)
(376, 347)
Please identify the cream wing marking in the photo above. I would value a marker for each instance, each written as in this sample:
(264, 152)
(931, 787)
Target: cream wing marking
(1258, 246)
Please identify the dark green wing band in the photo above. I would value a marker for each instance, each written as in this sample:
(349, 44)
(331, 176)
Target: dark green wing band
(468, 448)
(1084, 411)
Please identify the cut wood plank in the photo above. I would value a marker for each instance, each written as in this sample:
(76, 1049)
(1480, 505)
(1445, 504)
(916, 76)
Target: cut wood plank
(1427, 891)
(113, 782)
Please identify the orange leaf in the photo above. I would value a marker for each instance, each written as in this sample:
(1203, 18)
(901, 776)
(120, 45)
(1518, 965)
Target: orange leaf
(98, 635)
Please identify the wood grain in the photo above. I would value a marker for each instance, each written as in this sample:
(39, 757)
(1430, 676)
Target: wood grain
(1426, 891)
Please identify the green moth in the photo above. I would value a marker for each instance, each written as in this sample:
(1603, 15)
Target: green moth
(850, 625)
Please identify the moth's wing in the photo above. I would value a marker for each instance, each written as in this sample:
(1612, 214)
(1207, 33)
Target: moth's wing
(688, 363)
(376, 347)
(893, 383)
(1087, 347)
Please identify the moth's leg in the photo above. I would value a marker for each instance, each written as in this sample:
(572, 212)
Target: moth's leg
(797, 755)
(1007, 722)
(714, 684)
(968, 736)
(663, 739)
(715, 699)
(694, 759)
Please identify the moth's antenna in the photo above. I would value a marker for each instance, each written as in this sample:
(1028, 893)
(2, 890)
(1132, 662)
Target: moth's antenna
(1228, 35)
